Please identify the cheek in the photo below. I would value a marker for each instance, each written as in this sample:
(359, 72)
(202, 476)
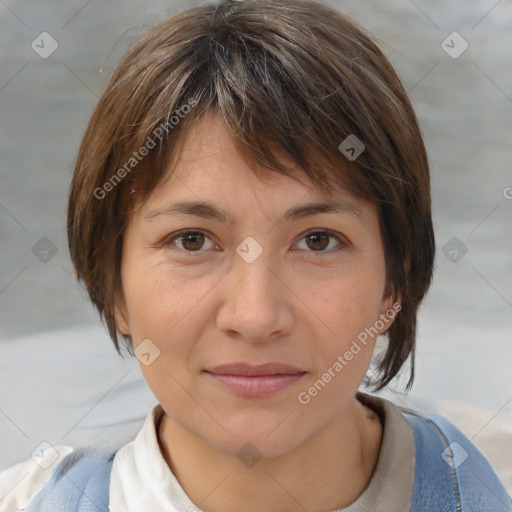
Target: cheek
(350, 305)
(168, 313)
(171, 312)
(151, 306)
(156, 301)
(342, 357)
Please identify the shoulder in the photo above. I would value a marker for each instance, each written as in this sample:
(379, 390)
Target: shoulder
(19, 483)
(77, 481)
(450, 468)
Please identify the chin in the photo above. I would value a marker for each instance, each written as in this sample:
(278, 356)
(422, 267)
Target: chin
(266, 436)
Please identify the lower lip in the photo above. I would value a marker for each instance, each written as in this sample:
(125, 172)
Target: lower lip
(258, 385)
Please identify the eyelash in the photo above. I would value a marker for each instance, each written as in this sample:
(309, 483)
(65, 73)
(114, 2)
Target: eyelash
(341, 241)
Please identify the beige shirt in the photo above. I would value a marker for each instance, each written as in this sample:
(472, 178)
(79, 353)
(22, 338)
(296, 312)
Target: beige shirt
(391, 486)
(141, 480)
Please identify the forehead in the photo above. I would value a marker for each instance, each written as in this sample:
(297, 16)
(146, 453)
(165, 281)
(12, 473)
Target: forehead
(208, 169)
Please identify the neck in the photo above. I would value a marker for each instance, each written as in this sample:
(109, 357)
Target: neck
(327, 472)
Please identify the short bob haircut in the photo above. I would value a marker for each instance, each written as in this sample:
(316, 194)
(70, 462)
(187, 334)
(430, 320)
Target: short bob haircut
(292, 80)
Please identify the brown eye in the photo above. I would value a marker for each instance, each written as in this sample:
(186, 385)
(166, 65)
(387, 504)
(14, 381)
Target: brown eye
(192, 241)
(322, 241)
(317, 241)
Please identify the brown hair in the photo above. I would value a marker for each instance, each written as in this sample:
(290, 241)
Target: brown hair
(289, 77)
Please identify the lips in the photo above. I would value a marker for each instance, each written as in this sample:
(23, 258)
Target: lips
(259, 370)
(255, 381)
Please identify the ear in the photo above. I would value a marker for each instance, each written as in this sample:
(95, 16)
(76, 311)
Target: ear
(121, 316)
(390, 308)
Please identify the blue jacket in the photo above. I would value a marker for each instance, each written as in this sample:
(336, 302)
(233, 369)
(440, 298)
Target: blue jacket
(451, 476)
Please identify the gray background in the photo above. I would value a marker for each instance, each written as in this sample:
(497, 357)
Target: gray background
(60, 379)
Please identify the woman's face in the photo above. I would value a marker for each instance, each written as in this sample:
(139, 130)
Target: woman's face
(240, 295)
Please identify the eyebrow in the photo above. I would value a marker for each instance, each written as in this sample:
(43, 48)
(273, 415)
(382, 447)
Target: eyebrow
(210, 211)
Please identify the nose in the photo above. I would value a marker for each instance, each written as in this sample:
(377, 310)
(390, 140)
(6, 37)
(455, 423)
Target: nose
(256, 305)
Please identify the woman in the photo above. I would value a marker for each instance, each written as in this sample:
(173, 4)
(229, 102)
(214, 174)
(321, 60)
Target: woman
(250, 211)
